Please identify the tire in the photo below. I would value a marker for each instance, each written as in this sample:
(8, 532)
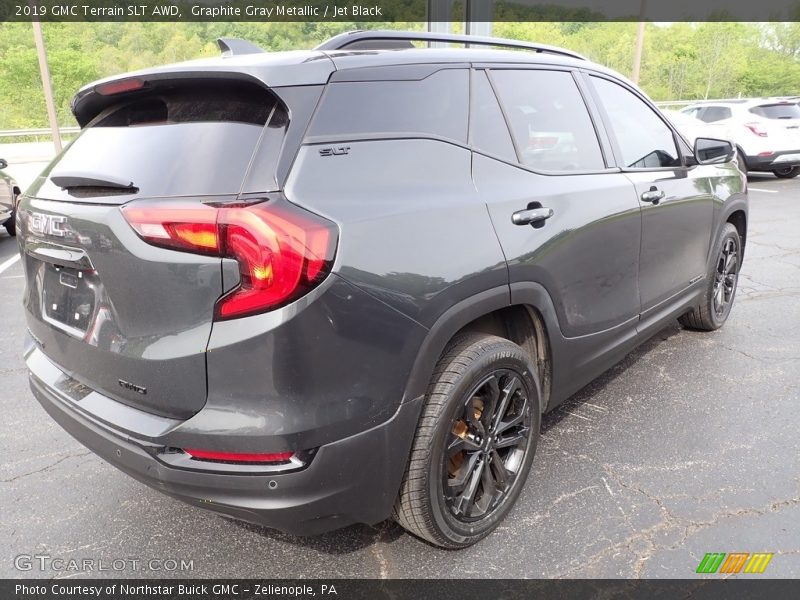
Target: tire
(787, 172)
(455, 502)
(723, 277)
(11, 225)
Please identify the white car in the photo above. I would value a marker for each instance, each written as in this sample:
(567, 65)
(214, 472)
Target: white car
(766, 132)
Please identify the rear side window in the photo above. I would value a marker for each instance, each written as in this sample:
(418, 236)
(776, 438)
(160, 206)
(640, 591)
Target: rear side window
(185, 140)
(644, 140)
(435, 105)
(715, 113)
(777, 111)
(549, 120)
(489, 129)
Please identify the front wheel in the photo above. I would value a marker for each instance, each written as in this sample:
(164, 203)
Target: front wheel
(787, 172)
(475, 442)
(717, 301)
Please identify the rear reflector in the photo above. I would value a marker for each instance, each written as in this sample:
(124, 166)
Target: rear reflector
(240, 457)
(283, 251)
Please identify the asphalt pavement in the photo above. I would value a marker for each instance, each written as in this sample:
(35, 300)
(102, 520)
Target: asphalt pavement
(689, 446)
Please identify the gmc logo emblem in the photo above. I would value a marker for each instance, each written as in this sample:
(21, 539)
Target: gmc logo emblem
(139, 389)
(47, 224)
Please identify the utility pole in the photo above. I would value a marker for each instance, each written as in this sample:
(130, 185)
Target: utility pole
(44, 71)
(637, 56)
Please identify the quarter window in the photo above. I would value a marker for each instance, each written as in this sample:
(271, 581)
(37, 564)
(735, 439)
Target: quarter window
(549, 120)
(435, 105)
(644, 139)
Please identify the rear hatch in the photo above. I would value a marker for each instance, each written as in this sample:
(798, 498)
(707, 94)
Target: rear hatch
(117, 313)
(782, 122)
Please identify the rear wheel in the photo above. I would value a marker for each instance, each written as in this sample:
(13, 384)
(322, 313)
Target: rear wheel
(717, 301)
(475, 442)
(787, 172)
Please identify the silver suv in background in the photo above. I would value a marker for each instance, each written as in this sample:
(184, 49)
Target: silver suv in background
(766, 132)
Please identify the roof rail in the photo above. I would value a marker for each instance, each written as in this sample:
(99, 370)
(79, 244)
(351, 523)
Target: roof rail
(237, 47)
(395, 40)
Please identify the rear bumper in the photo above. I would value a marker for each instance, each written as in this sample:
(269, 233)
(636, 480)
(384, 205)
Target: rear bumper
(776, 160)
(352, 480)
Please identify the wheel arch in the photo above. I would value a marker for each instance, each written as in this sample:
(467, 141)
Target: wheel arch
(531, 325)
(738, 218)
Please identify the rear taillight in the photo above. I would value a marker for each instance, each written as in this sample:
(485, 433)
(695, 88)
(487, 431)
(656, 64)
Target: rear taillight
(283, 251)
(757, 128)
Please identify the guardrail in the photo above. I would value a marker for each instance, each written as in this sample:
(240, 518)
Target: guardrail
(44, 132)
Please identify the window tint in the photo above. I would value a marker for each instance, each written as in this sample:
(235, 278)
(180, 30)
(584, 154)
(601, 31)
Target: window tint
(549, 120)
(489, 129)
(436, 105)
(716, 113)
(644, 139)
(777, 111)
(185, 140)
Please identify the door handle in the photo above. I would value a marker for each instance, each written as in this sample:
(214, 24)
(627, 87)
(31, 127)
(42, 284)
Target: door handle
(653, 195)
(531, 216)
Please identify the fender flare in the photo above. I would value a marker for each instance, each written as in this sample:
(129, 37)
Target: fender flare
(466, 311)
(733, 204)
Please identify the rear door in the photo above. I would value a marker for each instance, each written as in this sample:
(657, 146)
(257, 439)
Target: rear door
(564, 219)
(677, 202)
(120, 315)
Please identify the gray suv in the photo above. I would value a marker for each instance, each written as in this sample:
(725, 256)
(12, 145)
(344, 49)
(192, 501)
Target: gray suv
(317, 288)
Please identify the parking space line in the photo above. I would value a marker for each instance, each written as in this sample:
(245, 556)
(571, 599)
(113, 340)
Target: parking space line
(752, 189)
(9, 262)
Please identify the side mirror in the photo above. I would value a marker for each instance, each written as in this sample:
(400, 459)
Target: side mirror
(3, 163)
(708, 151)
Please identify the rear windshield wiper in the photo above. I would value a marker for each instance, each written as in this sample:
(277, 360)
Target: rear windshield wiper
(84, 179)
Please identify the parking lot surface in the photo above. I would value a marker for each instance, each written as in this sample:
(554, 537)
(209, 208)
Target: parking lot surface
(689, 446)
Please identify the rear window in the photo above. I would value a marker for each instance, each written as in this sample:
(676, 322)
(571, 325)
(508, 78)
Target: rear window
(777, 111)
(436, 105)
(186, 140)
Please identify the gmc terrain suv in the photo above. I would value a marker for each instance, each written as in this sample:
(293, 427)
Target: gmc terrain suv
(310, 289)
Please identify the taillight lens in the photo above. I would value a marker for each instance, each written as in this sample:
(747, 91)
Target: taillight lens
(283, 251)
(178, 226)
(757, 128)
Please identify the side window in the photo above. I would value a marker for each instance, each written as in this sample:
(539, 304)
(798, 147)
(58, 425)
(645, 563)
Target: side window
(716, 113)
(435, 105)
(489, 129)
(693, 112)
(644, 139)
(549, 120)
